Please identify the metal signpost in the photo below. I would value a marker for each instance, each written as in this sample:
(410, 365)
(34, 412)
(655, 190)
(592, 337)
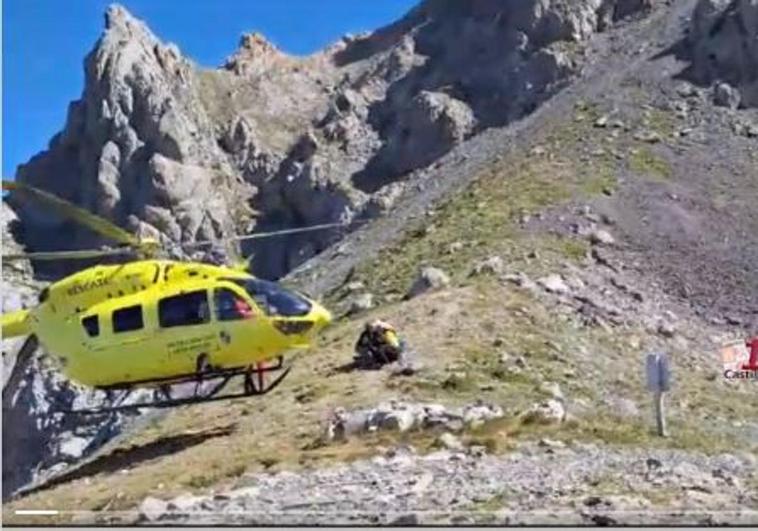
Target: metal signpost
(658, 382)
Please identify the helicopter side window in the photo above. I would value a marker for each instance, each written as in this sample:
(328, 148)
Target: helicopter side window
(128, 319)
(184, 310)
(230, 306)
(91, 325)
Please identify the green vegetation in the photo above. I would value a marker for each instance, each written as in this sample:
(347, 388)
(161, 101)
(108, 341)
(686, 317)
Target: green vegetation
(659, 121)
(644, 162)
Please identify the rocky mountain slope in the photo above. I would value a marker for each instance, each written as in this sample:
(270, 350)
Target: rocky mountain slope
(185, 153)
(551, 214)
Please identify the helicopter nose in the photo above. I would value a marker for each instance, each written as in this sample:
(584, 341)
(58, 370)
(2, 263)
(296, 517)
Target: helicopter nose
(321, 316)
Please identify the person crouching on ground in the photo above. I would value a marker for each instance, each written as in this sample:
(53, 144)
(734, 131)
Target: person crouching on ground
(378, 345)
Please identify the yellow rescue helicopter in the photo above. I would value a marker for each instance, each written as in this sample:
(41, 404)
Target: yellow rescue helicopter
(156, 322)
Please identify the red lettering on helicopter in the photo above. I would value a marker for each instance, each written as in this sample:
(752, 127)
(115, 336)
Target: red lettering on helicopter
(76, 289)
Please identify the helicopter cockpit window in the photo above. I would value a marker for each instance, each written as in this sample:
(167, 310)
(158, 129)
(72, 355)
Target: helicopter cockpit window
(128, 319)
(273, 299)
(230, 306)
(91, 325)
(184, 310)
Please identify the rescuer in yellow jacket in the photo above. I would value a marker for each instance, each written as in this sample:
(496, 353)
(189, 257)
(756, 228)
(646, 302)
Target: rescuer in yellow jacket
(379, 343)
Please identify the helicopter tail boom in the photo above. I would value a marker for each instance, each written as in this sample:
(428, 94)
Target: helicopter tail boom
(16, 324)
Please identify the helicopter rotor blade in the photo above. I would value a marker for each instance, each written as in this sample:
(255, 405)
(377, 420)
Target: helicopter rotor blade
(66, 255)
(70, 211)
(261, 235)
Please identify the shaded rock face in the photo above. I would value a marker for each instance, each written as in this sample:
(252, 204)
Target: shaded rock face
(724, 47)
(178, 152)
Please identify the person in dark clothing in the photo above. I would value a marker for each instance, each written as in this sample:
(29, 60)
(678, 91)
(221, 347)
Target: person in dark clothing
(379, 344)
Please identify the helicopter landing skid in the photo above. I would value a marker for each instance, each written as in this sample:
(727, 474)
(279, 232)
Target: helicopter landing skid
(253, 380)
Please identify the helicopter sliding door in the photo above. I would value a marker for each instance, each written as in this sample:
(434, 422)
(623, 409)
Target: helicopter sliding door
(185, 331)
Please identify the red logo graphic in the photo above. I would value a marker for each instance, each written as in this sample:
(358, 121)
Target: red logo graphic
(740, 359)
(752, 364)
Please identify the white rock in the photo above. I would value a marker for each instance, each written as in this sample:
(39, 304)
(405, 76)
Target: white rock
(601, 237)
(152, 508)
(554, 284)
(550, 443)
(547, 412)
(477, 414)
(74, 447)
(361, 303)
(450, 441)
(429, 279)
(493, 265)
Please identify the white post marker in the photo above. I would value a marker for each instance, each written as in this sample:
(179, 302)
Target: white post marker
(658, 382)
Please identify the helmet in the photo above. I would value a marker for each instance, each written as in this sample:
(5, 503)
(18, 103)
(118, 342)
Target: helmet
(379, 324)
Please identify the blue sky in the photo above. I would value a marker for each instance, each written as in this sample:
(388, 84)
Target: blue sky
(45, 41)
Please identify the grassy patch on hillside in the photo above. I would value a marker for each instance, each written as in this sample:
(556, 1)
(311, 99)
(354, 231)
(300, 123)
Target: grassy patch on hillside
(644, 162)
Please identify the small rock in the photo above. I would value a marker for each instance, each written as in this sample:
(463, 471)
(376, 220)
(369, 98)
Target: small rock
(601, 237)
(429, 279)
(666, 329)
(575, 283)
(547, 412)
(686, 90)
(477, 414)
(650, 137)
(602, 121)
(401, 420)
(151, 509)
(554, 284)
(361, 303)
(724, 95)
(455, 247)
(450, 441)
(493, 265)
(550, 443)
(520, 279)
(183, 503)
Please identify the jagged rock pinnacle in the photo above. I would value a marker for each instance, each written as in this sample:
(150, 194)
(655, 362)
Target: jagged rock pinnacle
(118, 16)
